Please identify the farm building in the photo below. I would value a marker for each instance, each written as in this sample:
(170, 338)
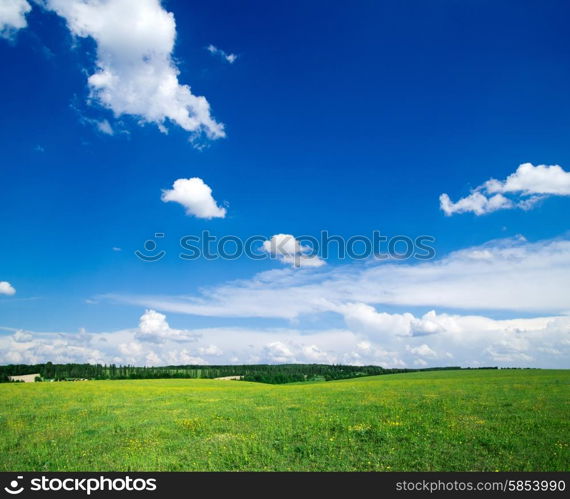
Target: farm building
(26, 378)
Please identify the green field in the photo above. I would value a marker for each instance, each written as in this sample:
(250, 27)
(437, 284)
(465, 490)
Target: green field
(450, 420)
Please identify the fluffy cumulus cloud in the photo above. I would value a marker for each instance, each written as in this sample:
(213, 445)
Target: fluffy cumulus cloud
(154, 327)
(13, 16)
(135, 71)
(364, 318)
(289, 250)
(452, 339)
(526, 186)
(153, 342)
(279, 353)
(205, 346)
(6, 288)
(231, 58)
(25, 347)
(195, 196)
(457, 332)
(529, 179)
(460, 340)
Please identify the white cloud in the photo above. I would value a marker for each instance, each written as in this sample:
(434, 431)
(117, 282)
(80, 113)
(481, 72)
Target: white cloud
(135, 71)
(153, 327)
(279, 352)
(13, 16)
(6, 288)
(231, 58)
(42, 347)
(509, 275)
(463, 337)
(427, 324)
(537, 342)
(367, 353)
(364, 318)
(152, 359)
(476, 203)
(528, 184)
(21, 336)
(423, 350)
(174, 357)
(105, 127)
(290, 251)
(529, 179)
(130, 348)
(506, 341)
(314, 354)
(154, 342)
(213, 350)
(171, 357)
(123, 346)
(195, 196)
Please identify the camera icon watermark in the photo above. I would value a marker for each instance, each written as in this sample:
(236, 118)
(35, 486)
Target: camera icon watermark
(14, 488)
(150, 254)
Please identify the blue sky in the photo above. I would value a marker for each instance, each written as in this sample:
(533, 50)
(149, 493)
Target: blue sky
(338, 118)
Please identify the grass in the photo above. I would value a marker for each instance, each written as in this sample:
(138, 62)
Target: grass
(449, 420)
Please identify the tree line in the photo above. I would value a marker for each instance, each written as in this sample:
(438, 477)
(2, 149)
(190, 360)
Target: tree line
(261, 373)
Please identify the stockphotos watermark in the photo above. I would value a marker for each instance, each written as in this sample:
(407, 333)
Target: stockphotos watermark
(82, 485)
(297, 250)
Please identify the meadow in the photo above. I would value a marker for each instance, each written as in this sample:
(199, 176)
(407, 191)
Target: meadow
(495, 420)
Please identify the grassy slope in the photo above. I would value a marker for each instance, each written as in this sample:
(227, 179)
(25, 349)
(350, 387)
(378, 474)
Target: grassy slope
(467, 420)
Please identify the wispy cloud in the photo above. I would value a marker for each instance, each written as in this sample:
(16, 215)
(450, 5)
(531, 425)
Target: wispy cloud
(231, 58)
(508, 274)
